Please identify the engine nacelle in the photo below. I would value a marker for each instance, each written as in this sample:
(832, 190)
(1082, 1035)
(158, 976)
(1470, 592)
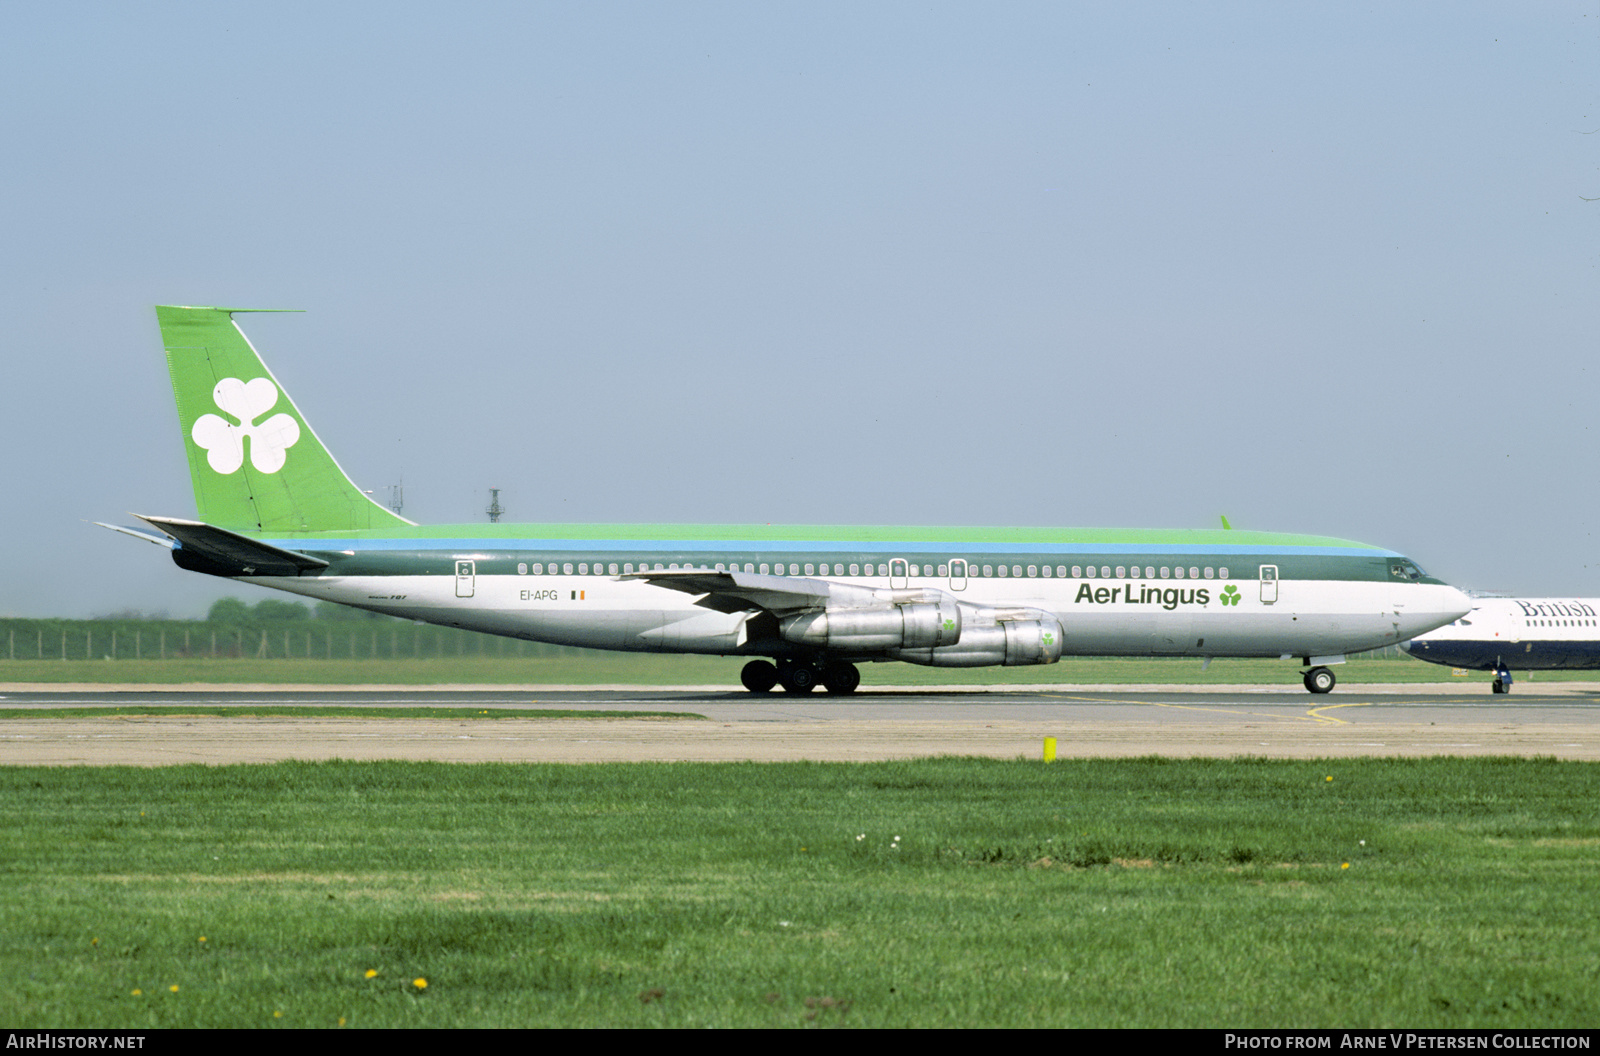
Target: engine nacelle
(912, 625)
(1011, 638)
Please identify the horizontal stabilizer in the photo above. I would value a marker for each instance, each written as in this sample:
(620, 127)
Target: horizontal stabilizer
(204, 548)
(159, 538)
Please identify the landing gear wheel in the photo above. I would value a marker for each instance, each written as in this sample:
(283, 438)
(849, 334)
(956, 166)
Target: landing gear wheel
(797, 678)
(841, 678)
(1497, 686)
(1320, 680)
(759, 676)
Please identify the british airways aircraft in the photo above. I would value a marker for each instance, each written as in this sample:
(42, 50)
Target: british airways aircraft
(1537, 634)
(805, 604)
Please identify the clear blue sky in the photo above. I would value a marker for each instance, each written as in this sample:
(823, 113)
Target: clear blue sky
(1320, 267)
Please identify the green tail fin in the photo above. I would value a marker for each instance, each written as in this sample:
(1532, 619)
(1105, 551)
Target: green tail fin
(254, 460)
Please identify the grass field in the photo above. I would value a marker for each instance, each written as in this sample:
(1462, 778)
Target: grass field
(946, 892)
(602, 668)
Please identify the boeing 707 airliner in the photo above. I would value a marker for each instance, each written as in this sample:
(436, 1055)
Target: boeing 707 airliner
(804, 604)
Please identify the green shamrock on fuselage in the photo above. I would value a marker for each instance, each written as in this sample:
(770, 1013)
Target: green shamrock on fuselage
(1230, 595)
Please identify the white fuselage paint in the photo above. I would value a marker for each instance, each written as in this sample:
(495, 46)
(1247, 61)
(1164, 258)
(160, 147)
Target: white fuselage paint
(1309, 617)
(1530, 633)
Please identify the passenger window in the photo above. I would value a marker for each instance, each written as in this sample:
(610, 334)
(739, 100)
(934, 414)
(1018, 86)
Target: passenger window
(808, 570)
(1222, 572)
(522, 568)
(1209, 572)
(1090, 572)
(1076, 572)
(1105, 571)
(538, 568)
(944, 570)
(1194, 573)
(1177, 573)
(1061, 571)
(988, 571)
(1122, 572)
(1003, 571)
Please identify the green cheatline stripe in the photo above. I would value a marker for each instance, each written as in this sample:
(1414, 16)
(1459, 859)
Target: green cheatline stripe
(836, 533)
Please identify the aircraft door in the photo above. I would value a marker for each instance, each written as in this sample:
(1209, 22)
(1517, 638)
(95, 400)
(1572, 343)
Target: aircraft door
(958, 574)
(1269, 584)
(897, 574)
(466, 578)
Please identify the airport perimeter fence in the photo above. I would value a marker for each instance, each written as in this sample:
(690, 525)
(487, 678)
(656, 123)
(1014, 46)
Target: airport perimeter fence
(310, 639)
(314, 639)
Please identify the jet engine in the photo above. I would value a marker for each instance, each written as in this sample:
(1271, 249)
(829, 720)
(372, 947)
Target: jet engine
(990, 637)
(911, 625)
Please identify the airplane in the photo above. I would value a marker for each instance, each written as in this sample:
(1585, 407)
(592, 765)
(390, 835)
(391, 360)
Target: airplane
(1539, 634)
(806, 604)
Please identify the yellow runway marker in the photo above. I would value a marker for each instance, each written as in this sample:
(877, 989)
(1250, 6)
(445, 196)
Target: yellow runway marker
(1329, 720)
(1310, 716)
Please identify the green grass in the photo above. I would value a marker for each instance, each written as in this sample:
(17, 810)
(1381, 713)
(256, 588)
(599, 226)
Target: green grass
(602, 668)
(943, 892)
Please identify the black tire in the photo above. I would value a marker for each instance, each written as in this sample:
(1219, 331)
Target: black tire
(1320, 680)
(759, 676)
(1497, 686)
(840, 679)
(798, 678)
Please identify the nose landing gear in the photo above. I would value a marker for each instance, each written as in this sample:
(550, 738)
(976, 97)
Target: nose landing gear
(1320, 680)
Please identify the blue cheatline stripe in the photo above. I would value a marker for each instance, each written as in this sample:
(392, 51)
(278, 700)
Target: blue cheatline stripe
(723, 546)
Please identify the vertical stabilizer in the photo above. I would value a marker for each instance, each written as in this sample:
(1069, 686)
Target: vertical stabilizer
(255, 462)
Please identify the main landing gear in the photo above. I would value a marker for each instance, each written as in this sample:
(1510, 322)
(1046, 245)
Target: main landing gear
(1320, 680)
(1502, 679)
(836, 676)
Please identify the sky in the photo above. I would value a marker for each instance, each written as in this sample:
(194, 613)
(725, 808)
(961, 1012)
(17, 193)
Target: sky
(1322, 267)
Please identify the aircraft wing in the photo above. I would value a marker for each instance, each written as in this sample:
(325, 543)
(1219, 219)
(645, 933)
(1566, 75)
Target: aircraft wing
(748, 591)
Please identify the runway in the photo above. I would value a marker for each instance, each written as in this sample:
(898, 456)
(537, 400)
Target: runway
(718, 725)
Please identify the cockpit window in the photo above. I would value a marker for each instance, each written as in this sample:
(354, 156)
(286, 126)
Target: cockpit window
(1406, 570)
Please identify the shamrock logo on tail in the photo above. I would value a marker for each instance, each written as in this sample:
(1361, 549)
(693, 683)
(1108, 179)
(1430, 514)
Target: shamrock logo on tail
(1230, 595)
(223, 442)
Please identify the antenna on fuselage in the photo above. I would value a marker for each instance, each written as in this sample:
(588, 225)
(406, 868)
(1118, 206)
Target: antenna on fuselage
(397, 496)
(495, 509)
